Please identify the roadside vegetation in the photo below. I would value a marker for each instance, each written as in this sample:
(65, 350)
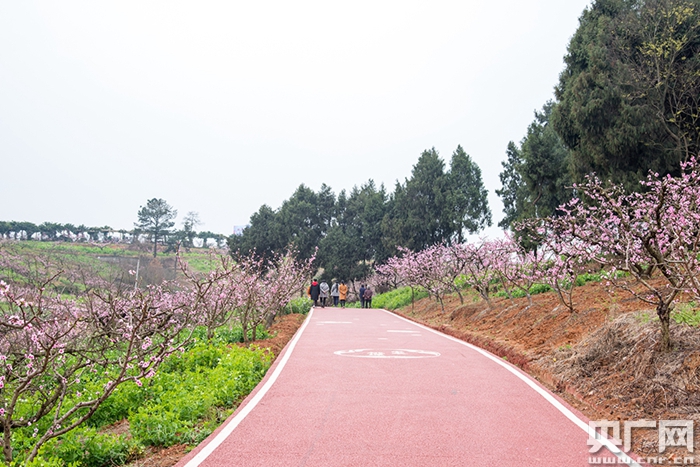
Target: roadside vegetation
(96, 366)
(190, 396)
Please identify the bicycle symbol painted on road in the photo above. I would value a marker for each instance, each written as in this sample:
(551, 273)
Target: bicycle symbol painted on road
(384, 353)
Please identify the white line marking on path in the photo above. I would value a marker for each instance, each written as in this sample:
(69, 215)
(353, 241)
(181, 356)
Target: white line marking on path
(334, 322)
(235, 421)
(387, 353)
(622, 457)
(402, 330)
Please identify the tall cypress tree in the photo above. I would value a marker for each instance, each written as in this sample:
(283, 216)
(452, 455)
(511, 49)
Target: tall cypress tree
(628, 97)
(467, 198)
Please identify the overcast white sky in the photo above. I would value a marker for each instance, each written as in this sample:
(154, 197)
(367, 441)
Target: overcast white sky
(221, 107)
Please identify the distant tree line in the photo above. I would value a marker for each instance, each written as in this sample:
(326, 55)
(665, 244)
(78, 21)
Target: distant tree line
(355, 231)
(155, 224)
(626, 105)
(52, 231)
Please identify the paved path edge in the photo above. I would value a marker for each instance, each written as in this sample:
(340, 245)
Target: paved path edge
(214, 440)
(535, 385)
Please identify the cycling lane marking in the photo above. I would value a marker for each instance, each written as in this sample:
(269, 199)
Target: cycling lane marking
(240, 416)
(625, 459)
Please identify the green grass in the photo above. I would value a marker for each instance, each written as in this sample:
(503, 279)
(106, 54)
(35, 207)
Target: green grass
(109, 261)
(686, 313)
(517, 293)
(397, 298)
(198, 260)
(301, 305)
(189, 397)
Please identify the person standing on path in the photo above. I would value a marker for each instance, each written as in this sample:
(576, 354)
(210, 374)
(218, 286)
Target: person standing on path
(362, 295)
(368, 297)
(343, 293)
(335, 293)
(314, 291)
(324, 293)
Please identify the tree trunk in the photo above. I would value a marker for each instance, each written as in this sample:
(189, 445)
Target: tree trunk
(459, 294)
(7, 443)
(664, 313)
(244, 327)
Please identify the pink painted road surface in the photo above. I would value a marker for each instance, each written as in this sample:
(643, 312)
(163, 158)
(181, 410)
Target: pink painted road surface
(367, 388)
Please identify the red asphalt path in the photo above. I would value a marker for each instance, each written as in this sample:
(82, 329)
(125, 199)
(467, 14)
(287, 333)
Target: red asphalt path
(367, 388)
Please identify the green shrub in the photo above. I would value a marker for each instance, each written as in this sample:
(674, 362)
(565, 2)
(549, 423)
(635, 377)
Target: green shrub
(40, 461)
(686, 313)
(397, 298)
(588, 277)
(117, 406)
(195, 391)
(539, 288)
(87, 447)
(154, 427)
(228, 335)
(517, 293)
(300, 305)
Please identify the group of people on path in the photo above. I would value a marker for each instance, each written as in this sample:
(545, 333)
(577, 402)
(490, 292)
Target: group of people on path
(320, 292)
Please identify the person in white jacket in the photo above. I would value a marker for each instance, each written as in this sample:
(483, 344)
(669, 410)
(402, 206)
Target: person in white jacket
(324, 293)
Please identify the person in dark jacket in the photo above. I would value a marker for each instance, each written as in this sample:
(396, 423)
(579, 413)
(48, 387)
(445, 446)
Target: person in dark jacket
(314, 291)
(368, 297)
(362, 295)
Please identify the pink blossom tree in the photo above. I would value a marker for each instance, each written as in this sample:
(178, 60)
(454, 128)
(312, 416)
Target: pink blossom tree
(479, 268)
(563, 259)
(516, 266)
(50, 346)
(264, 287)
(637, 233)
(219, 292)
(434, 269)
(54, 349)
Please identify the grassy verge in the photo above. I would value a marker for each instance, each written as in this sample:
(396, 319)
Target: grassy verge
(397, 298)
(191, 395)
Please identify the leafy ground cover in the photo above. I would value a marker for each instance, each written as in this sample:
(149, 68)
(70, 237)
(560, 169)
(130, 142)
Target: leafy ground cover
(189, 397)
(280, 333)
(158, 422)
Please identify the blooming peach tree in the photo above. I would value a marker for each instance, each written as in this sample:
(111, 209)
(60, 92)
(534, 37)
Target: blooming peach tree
(53, 349)
(657, 229)
(264, 287)
(62, 356)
